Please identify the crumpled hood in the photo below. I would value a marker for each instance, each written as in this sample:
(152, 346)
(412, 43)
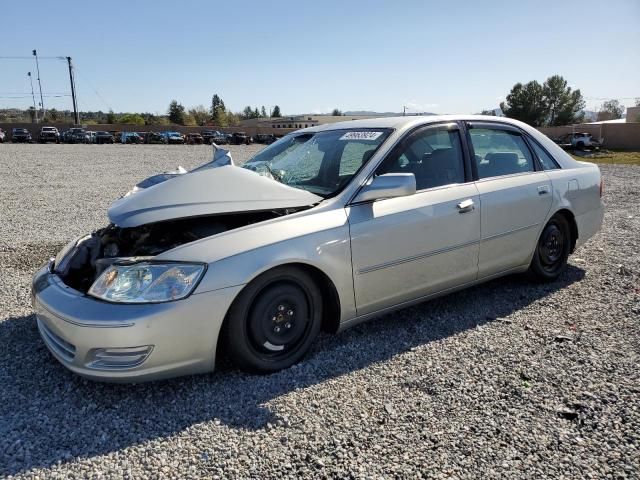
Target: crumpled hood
(208, 190)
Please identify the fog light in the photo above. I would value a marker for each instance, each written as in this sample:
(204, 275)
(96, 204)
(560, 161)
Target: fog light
(118, 358)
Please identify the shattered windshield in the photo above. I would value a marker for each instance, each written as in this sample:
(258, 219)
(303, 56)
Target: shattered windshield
(322, 162)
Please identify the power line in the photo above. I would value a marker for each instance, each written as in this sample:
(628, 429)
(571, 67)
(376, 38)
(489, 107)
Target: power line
(28, 96)
(28, 93)
(30, 58)
(85, 80)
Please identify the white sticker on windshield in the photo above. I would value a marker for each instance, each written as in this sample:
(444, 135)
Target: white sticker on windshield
(360, 136)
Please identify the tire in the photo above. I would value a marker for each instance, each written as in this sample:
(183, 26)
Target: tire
(580, 145)
(552, 250)
(274, 321)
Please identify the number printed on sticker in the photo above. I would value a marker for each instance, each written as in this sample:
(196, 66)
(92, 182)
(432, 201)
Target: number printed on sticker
(360, 135)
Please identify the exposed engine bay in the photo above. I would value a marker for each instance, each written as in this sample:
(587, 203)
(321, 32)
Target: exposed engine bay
(81, 264)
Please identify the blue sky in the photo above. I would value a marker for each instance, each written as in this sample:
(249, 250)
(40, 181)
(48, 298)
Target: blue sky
(445, 57)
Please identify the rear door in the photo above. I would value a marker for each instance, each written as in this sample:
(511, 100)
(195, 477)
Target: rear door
(407, 247)
(515, 196)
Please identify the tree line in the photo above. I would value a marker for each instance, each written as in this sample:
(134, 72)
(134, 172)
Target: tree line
(217, 114)
(553, 103)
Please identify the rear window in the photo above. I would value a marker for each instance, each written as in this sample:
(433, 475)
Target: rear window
(500, 152)
(547, 162)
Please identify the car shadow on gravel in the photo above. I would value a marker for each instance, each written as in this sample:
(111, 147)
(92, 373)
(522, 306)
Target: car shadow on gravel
(50, 416)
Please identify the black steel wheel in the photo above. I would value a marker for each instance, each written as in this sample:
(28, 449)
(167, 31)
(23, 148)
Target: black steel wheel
(552, 250)
(274, 320)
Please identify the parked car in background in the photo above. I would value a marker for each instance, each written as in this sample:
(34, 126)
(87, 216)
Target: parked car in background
(49, 134)
(79, 135)
(20, 135)
(326, 228)
(240, 138)
(173, 138)
(264, 138)
(2, 136)
(154, 138)
(104, 137)
(194, 139)
(130, 138)
(579, 140)
(214, 136)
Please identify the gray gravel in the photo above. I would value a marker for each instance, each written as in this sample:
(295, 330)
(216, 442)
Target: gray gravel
(506, 380)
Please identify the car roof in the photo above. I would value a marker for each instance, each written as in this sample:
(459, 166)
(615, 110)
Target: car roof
(408, 121)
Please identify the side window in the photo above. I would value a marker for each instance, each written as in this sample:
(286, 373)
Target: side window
(548, 163)
(500, 152)
(433, 155)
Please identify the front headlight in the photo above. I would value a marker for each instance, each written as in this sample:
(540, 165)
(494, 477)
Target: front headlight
(147, 282)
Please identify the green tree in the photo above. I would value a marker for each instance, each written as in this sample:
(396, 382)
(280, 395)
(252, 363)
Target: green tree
(263, 112)
(256, 113)
(553, 103)
(231, 119)
(151, 119)
(247, 113)
(200, 115)
(564, 105)
(189, 120)
(132, 119)
(336, 113)
(276, 112)
(53, 115)
(526, 103)
(111, 117)
(611, 110)
(176, 113)
(217, 107)
(218, 111)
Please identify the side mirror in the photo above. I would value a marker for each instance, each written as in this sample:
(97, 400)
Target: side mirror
(389, 185)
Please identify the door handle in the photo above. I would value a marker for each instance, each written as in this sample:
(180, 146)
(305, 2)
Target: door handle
(465, 206)
(543, 189)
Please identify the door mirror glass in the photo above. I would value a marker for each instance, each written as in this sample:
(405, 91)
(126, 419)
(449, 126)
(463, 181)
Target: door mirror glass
(389, 185)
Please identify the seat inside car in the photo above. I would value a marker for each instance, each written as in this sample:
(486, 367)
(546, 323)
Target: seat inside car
(366, 156)
(442, 166)
(499, 163)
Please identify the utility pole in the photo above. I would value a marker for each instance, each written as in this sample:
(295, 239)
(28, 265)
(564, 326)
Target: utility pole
(73, 92)
(35, 54)
(35, 110)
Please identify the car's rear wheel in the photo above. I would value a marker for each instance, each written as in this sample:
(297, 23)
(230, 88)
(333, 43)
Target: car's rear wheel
(274, 320)
(552, 250)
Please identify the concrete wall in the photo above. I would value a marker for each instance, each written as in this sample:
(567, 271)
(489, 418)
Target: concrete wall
(622, 136)
(35, 129)
(633, 115)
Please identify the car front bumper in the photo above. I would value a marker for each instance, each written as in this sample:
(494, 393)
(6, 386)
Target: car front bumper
(128, 343)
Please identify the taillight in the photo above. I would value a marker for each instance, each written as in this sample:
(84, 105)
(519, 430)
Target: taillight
(601, 186)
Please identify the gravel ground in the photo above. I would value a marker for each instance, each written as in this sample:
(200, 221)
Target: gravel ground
(505, 380)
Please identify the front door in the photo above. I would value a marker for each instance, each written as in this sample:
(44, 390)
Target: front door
(408, 247)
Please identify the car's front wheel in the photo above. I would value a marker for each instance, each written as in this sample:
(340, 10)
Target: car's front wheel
(552, 250)
(274, 320)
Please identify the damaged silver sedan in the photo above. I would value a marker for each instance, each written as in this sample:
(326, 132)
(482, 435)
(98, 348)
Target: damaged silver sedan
(325, 228)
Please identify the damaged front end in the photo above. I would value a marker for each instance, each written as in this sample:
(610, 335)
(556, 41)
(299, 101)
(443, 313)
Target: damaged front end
(82, 261)
(174, 208)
